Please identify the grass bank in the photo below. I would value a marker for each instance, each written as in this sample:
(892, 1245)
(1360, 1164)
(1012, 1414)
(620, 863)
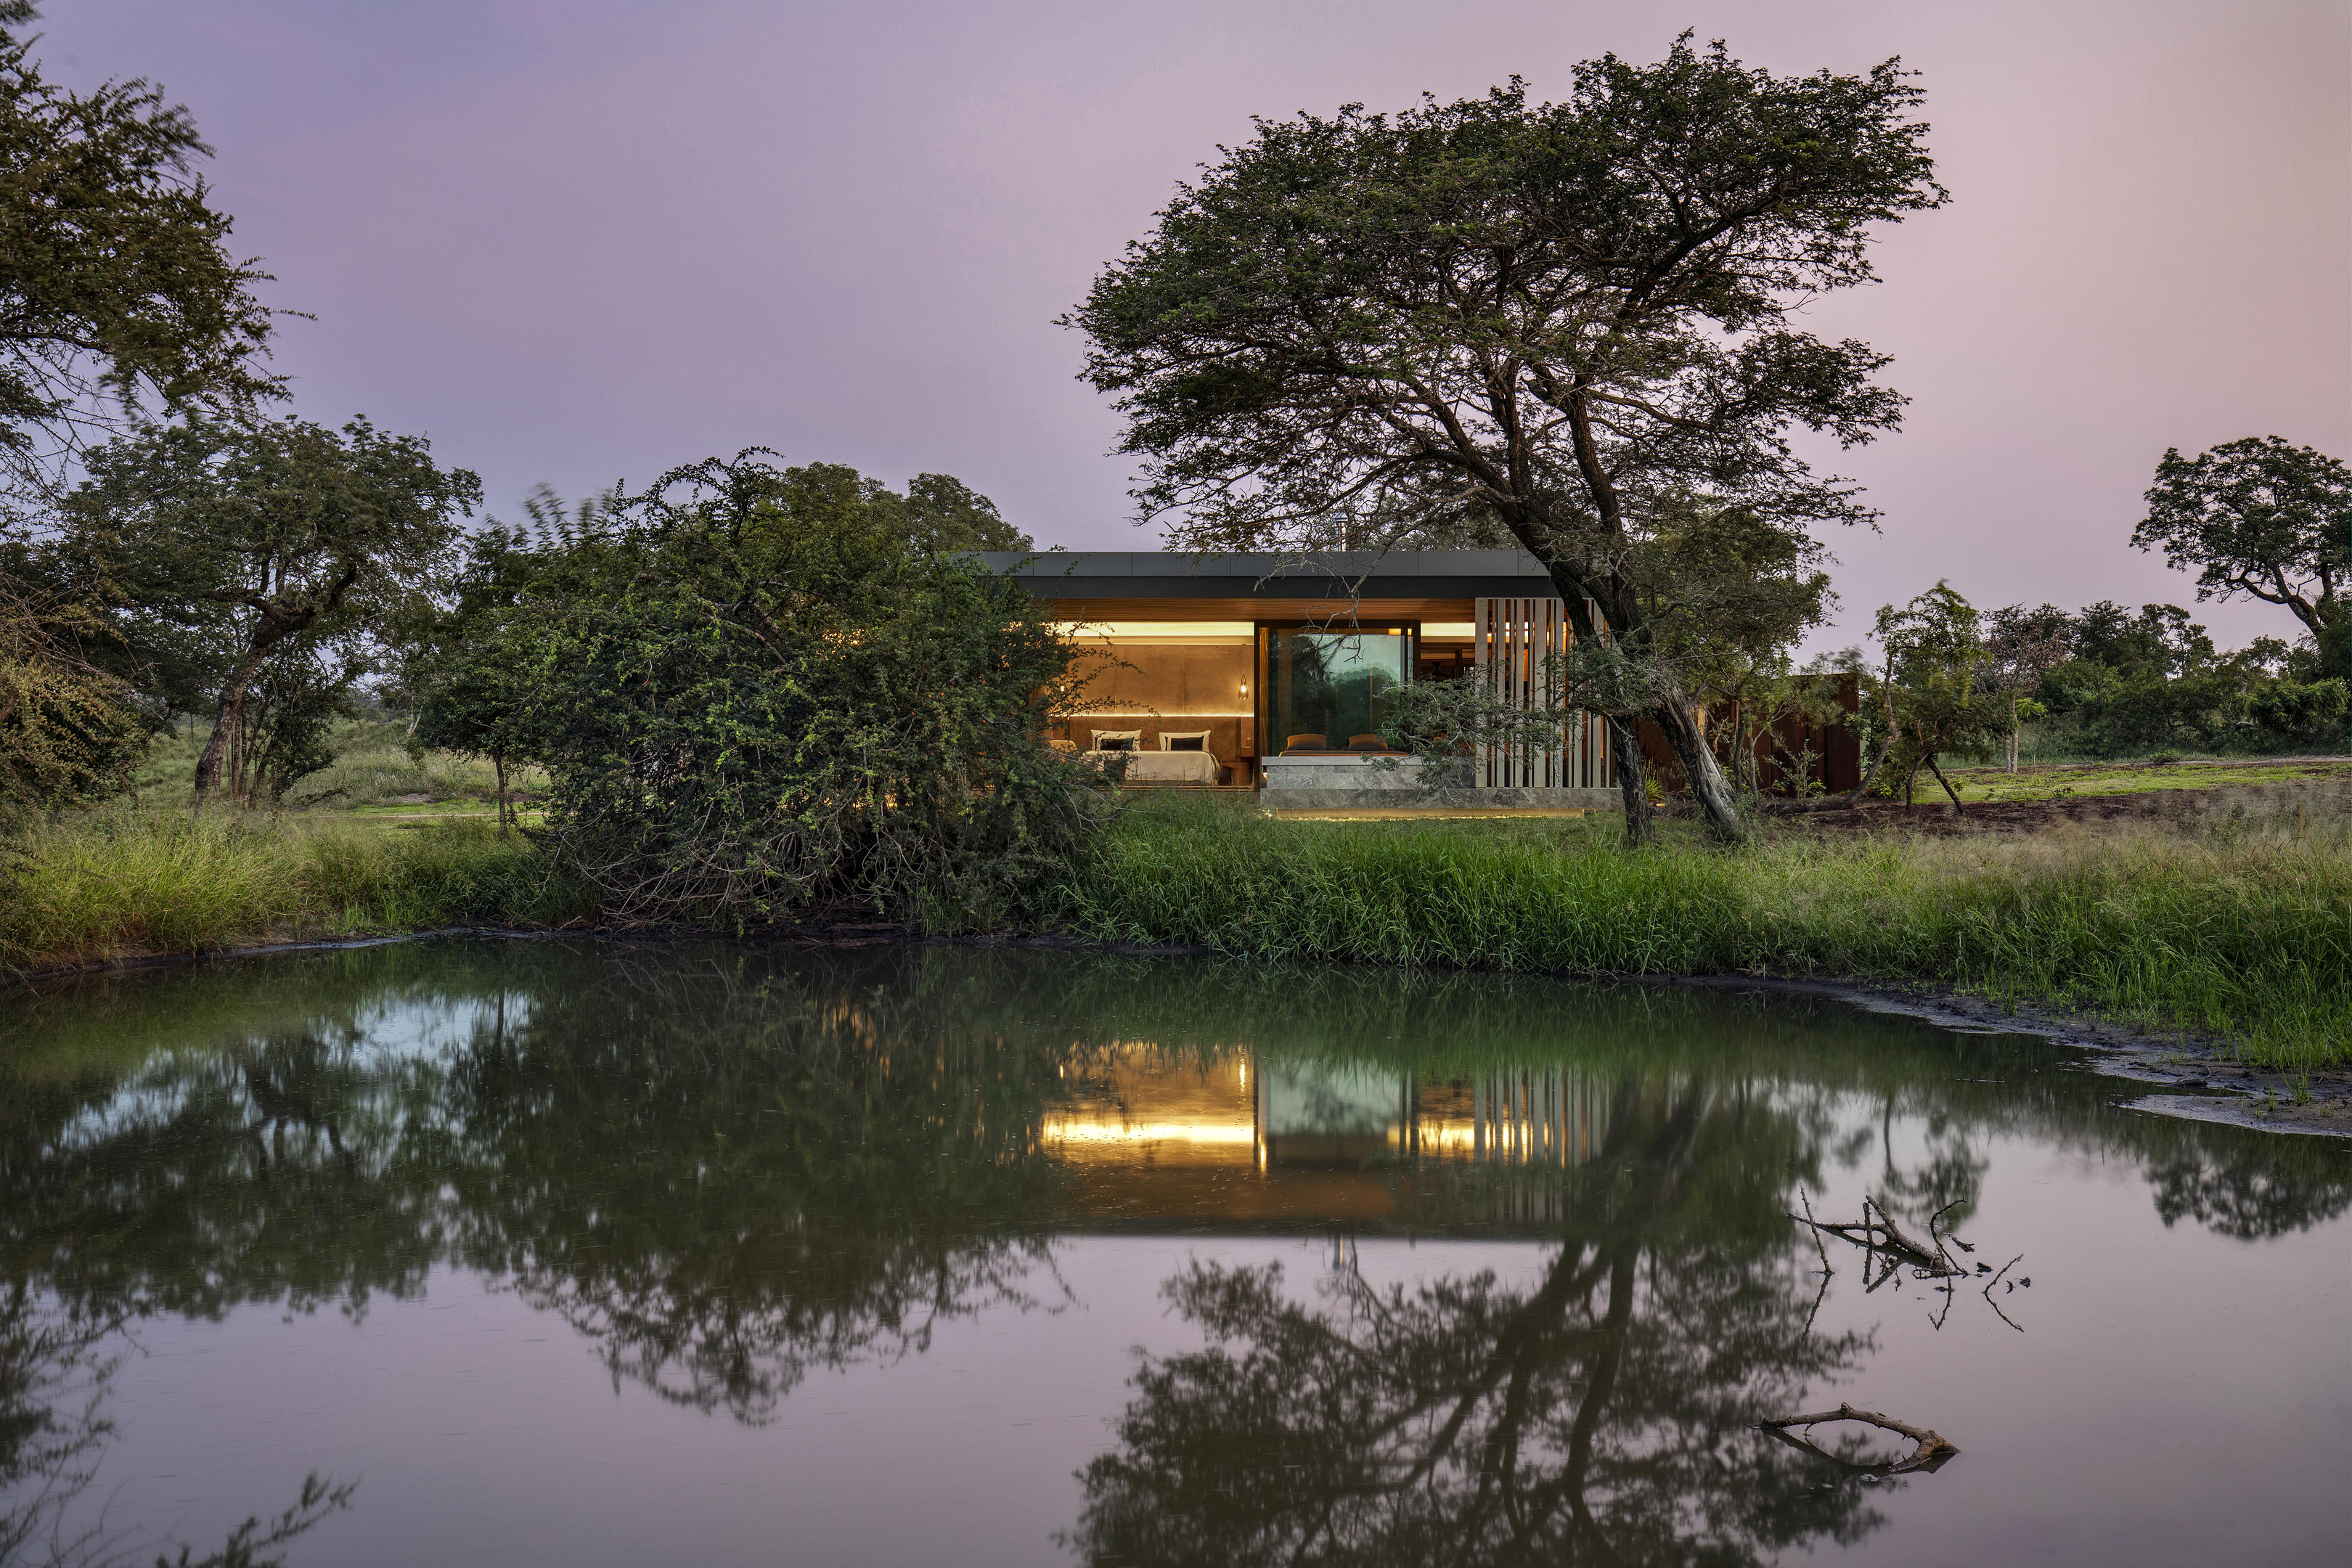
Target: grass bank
(2227, 926)
(2224, 924)
(126, 882)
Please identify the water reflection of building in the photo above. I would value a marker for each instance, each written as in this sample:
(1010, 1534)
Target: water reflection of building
(1156, 1139)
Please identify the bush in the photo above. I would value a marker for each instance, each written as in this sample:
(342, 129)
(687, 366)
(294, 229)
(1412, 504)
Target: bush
(2111, 713)
(2296, 711)
(756, 696)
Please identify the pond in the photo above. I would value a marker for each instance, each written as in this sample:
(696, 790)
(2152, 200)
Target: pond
(581, 1252)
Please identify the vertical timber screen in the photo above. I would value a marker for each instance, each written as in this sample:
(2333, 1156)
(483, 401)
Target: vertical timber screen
(1516, 641)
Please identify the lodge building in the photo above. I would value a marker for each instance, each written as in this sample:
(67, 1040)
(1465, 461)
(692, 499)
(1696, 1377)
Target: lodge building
(1274, 673)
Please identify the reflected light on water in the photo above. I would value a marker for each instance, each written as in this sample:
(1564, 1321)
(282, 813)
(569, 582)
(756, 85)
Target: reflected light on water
(1075, 1130)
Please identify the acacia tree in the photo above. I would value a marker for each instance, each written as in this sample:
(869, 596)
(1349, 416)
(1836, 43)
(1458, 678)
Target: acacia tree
(2263, 518)
(116, 295)
(1573, 317)
(1935, 697)
(464, 663)
(70, 729)
(2024, 646)
(272, 540)
(116, 292)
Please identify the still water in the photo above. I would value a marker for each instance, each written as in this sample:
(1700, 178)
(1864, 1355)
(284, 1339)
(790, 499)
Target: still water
(583, 1253)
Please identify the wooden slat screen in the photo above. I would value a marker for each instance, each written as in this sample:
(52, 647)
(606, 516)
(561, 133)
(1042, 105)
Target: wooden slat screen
(1514, 641)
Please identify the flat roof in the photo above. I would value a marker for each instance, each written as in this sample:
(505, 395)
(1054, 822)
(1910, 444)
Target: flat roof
(1115, 574)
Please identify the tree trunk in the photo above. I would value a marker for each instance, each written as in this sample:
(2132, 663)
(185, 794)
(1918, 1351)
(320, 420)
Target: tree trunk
(1633, 781)
(1707, 785)
(1958, 809)
(226, 720)
(498, 765)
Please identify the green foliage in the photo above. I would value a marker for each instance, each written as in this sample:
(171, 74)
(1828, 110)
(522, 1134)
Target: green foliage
(2160, 641)
(1574, 319)
(120, 882)
(462, 663)
(2116, 683)
(2264, 518)
(1932, 698)
(2239, 929)
(272, 560)
(755, 692)
(2110, 713)
(944, 513)
(115, 281)
(70, 732)
(2292, 710)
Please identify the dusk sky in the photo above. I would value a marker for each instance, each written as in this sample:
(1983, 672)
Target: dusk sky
(582, 242)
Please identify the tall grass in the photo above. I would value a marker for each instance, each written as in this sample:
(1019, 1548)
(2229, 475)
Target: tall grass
(2236, 929)
(2234, 926)
(124, 882)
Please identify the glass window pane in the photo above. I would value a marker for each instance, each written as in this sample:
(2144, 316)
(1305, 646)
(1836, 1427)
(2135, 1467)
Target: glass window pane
(1335, 685)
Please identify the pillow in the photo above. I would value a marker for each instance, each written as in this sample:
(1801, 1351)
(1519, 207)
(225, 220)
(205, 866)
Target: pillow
(1184, 740)
(1119, 740)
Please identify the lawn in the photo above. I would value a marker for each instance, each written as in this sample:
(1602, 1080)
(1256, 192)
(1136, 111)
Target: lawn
(2059, 781)
(373, 775)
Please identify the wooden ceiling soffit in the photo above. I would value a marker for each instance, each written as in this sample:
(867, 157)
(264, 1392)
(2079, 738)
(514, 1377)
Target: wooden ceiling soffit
(1256, 609)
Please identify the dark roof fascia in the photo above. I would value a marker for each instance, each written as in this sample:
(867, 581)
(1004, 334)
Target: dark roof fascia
(1364, 573)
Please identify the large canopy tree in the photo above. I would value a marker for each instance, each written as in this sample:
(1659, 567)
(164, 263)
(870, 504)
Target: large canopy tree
(117, 297)
(266, 540)
(2264, 518)
(1574, 318)
(117, 294)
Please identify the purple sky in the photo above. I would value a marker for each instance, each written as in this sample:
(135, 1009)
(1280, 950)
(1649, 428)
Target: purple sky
(581, 242)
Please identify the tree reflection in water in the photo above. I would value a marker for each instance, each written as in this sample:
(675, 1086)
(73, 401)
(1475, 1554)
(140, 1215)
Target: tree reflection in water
(55, 1365)
(728, 1168)
(1598, 1416)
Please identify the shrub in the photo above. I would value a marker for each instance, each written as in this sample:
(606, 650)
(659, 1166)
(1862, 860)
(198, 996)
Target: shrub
(2296, 711)
(756, 695)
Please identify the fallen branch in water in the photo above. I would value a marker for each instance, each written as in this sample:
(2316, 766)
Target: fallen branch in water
(1932, 1447)
(1818, 1242)
(2005, 1268)
(1882, 1234)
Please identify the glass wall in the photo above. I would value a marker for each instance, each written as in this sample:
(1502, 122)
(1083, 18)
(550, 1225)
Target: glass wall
(1326, 683)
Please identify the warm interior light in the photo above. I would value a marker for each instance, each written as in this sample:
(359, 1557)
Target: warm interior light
(1213, 632)
(1090, 1130)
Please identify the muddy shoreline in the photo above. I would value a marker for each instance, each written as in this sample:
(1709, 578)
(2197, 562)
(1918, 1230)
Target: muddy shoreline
(2189, 1076)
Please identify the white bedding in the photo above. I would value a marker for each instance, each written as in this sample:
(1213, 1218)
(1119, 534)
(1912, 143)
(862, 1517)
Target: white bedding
(1165, 767)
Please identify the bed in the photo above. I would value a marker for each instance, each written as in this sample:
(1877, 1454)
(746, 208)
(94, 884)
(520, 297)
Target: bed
(1165, 767)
